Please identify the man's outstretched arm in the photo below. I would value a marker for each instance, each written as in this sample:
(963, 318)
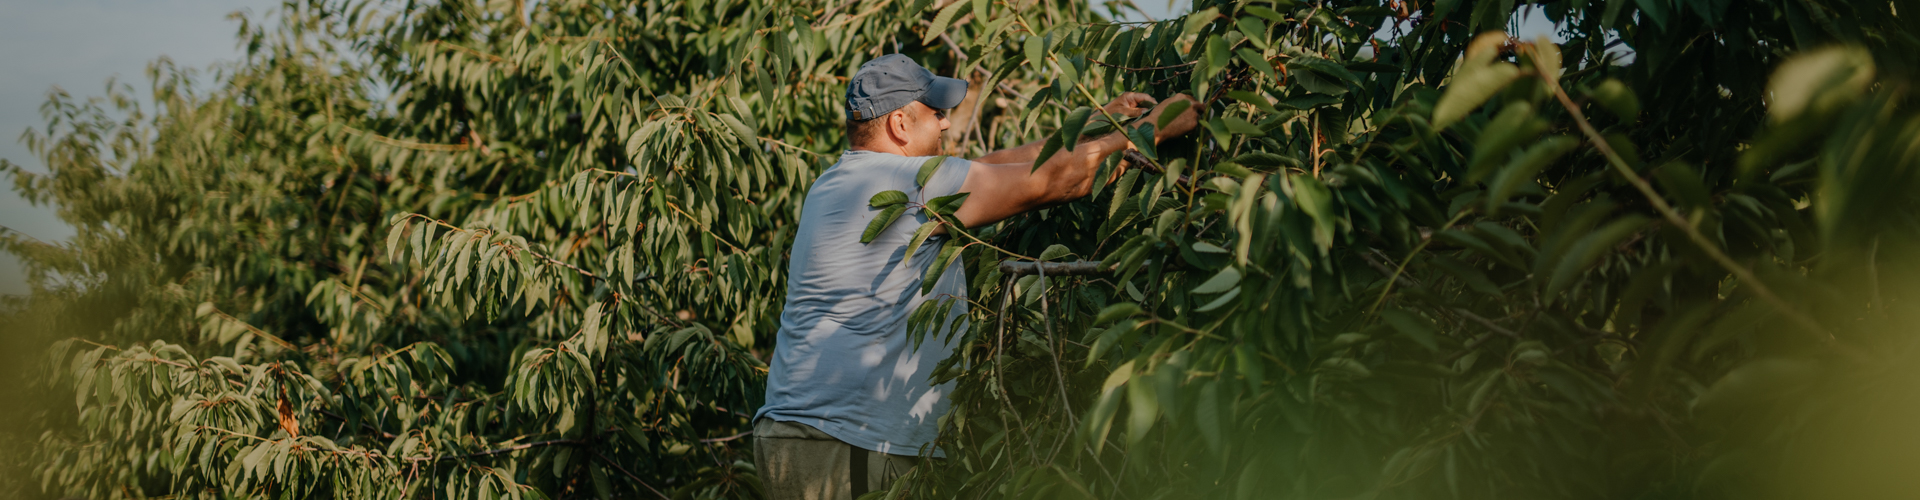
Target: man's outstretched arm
(1002, 190)
(1129, 105)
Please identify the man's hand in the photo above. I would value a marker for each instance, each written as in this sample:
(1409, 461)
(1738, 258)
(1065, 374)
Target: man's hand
(1181, 124)
(1130, 104)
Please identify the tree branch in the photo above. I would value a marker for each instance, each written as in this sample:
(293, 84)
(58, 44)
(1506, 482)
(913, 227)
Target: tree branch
(1740, 272)
(1076, 268)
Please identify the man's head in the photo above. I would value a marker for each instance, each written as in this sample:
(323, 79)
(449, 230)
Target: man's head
(895, 105)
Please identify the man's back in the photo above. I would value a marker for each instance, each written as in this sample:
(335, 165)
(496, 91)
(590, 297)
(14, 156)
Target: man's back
(843, 363)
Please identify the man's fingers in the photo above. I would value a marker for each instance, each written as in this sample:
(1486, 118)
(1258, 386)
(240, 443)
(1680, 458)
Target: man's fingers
(1131, 104)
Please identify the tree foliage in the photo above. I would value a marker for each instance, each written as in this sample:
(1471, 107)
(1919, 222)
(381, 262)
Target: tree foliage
(486, 249)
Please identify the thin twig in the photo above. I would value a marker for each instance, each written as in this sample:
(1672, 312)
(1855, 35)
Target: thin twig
(728, 438)
(1153, 68)
(1053, 351)
(1409, 258)
(1076, 268)
(623, 470)
(999, 370)
(363, 423)
(1491, 326)
(498, 451)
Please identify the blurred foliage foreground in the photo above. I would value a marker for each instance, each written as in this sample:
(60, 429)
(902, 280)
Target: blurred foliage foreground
(465, 249)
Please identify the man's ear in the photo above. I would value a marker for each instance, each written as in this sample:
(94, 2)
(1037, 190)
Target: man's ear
(897, 121)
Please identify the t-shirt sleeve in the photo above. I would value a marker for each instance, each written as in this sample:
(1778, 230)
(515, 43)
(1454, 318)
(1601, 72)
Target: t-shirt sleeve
(948, 179)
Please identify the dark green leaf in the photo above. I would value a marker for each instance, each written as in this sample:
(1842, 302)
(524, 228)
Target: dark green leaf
(887, 198)
(1070, 129)
(880, 223)
(927, 169)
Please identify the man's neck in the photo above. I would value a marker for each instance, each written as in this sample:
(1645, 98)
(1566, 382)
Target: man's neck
(894, 149)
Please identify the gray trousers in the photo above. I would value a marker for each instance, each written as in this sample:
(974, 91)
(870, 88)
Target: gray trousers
(798, 462)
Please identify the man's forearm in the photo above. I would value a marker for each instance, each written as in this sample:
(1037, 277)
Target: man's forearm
(1024, 153)
(1070, 174)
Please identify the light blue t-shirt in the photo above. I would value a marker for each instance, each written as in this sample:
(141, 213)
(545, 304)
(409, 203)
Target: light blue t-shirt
(842, 362)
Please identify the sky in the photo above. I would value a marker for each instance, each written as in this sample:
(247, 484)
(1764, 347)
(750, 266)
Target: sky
(77, 45)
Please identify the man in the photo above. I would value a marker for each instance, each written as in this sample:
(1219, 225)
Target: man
(849, 404)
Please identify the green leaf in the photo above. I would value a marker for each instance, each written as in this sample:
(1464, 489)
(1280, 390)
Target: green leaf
(1310, 101)
(880, 223)
(394, 237)
(920, 236)
(1344, 366)
(1616, 98)
(1588, 249)
(1414, 327)
(601, 486)
(1258, 63)
(1218, 57)
(591, 332)
(1199, 20)
(764, 81)
(887, 198)
(741, 130)
(1470, 89)
(1144, 409)
(1513, 126)
(1655, 10)
(1255, 99)
(1054, 251)
(1070, 129)
(1524, 168)
(1142, 137)
(1100, 420)
(1122, 190)
(1254, 31)
(1220, 282)
(927, 169)
(1477, 79)
(1036, 52)
(1473, 277)
(1264, 159)
(948, 252)
(1223, 300)
(1116, 311)
(679, 338)
(946, 205)
(1682, 183)
(941, 21)
(1172, 111)
(1266, 13)
(1109, 337)
(1047, 151)
(1240, 126)
(1817, 81)
(1546, 57)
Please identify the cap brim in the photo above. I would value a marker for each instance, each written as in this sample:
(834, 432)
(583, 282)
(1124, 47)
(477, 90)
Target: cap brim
(945, 93)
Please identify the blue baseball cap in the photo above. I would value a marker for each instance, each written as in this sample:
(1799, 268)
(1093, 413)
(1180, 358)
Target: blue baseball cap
(885, 84)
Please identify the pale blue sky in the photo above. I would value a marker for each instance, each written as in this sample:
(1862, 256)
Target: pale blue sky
(77, 45)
